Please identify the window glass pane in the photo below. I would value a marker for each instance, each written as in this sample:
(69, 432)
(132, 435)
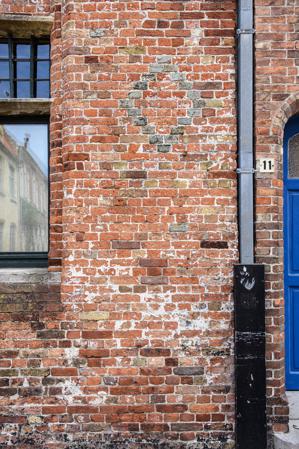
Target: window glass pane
(23, 89)
(23, 70)
(43, 89)
(12, 182)
(4, 89)
(23, 51)
(24, 201)
(43, 51)
(1, 175)
(1, 235)
(4, 51)
(43, 69)
(12, 237)
(4, 69)
(293, 157)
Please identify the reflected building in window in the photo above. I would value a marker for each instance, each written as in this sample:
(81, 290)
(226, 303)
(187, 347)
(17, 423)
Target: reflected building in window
(23, 192)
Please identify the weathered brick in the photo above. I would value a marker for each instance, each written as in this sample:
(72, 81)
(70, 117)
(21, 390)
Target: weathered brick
(188, 370)
(154, 280)
(95, 335)
(94, 316)
(118, 244)
(155, 352)
(135, 174)
(64, 372)
(213, 244)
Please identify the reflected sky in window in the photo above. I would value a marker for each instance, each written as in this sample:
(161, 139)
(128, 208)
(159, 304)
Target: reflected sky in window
(38, 140)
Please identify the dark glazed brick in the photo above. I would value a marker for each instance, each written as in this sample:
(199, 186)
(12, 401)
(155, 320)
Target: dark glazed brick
(91, 59)
(216, 244)
(155, 352)
(140, 85)
(136, 174)
(188, 371)
(8, 391)
(50, 334)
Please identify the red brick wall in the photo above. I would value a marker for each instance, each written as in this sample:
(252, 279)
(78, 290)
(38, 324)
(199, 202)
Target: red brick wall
(143, 149)
(276, 101)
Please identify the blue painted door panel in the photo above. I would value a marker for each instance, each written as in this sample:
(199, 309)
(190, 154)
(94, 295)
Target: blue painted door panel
(291, 262)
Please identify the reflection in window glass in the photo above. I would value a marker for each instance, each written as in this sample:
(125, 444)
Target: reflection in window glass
(42, 89)
(24, 198)
(43, 68)
(4, 69)
(23, 51)
(43, 52)
(1, 235)
(4, 51)
(4, 89)
(23, 89)
(12, 237)
(23, 70)
(12, 182)
(1, 174)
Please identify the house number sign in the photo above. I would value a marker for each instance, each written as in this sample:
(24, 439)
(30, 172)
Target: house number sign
(266, 165)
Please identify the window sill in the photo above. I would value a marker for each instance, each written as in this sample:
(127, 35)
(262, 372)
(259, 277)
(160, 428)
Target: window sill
(28, 276)
(25, 106)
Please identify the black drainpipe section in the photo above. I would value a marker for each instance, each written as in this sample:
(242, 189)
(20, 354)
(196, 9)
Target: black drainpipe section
(249, 286)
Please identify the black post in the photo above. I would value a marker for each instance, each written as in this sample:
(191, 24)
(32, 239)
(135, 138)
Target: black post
(250, 370)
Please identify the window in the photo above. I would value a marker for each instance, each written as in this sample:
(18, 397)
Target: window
(24, 68)
(12, 182)
(1, 235)
(12, 237)
(24, 152)
(1, 175)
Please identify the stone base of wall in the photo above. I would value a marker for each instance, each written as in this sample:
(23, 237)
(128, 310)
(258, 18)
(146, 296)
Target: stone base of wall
(41, 440)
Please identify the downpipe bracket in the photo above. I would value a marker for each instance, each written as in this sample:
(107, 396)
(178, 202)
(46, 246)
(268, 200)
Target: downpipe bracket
(245, 31)
(246, 171)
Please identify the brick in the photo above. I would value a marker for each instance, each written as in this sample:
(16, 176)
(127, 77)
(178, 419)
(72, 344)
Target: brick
(54, 409)
(117, 244)
(164, 148)
(8, 391)
(94, 316)
(154, 280)
(95, 335)
(155, 352)
(94, 353)
(188, 371)
(140, 85)
(153, 262)
(64, 372)
(171, 408)
(81, 409)
(213, 244)
(134, 174)
(178, 227)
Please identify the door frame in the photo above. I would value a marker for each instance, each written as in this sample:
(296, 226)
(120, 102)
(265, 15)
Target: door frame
(291, 129)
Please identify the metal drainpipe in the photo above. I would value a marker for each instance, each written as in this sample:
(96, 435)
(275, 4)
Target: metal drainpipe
(245, 169)
(249, 286)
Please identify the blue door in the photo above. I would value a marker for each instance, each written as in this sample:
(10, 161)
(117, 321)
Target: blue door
(291, 251)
